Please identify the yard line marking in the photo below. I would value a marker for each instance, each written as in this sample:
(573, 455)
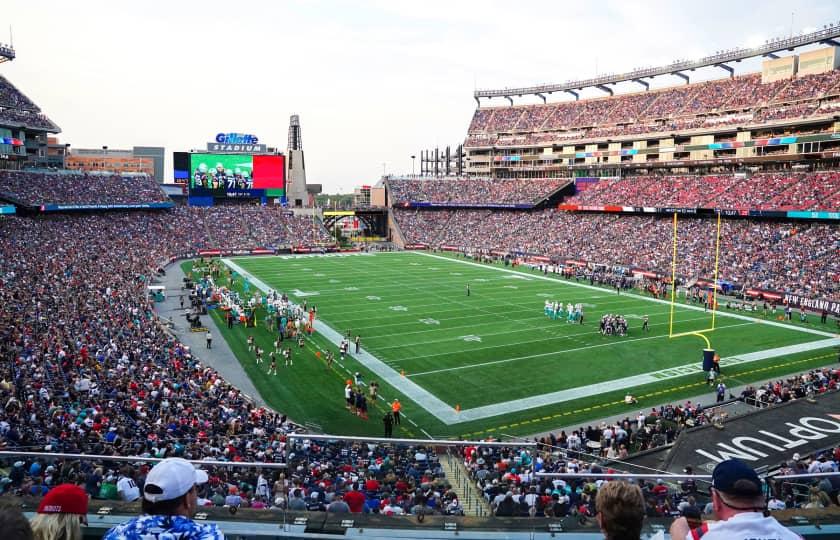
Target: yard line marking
(551, 337)
(449, 416)
(667, 303)
(554, 398)
(545, 324)
(408, 388)
(527, 357)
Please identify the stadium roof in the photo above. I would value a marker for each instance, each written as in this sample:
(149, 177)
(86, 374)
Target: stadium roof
(720, 59)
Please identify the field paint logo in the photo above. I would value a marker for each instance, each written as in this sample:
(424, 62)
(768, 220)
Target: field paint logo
(804, 430)
(510, 287)
(429, 321)
(398, 308)
(351, 288)
(471, 337)
(372, 297)
(300, 294)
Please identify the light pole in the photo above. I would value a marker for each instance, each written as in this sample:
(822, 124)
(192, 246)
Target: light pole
(412, 165)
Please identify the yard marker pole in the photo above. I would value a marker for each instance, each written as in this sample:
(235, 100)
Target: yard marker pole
(673, 279)
(717, 259)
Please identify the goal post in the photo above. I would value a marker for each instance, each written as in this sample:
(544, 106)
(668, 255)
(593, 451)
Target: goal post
(701, 332)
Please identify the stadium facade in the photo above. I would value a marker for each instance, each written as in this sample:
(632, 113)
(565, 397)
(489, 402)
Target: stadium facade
(787, 114)
(24, 129)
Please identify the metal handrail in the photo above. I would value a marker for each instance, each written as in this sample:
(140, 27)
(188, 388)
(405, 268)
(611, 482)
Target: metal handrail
(133, 459)
(669, 476)
(418, 442)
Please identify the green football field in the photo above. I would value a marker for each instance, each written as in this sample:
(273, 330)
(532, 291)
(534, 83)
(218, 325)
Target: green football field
(491, 362)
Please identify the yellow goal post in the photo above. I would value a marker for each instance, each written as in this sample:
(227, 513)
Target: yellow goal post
(699, 333)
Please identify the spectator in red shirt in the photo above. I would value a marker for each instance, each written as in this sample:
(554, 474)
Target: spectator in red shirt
(355, 499)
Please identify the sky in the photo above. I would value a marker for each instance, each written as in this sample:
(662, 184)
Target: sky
(374, 81)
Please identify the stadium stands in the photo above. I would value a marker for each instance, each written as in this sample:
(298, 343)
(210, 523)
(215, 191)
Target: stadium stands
(739, 100)
(17, 109)
(11, 97)
(479, 191)
(89, 356)
(107, 379)
(37, 188)
(762, 191)
(799, 258)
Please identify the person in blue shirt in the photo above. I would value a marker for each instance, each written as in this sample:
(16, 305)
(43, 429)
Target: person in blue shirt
(170, 498)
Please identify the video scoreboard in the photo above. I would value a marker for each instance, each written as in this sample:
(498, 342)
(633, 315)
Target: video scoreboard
(236, 169)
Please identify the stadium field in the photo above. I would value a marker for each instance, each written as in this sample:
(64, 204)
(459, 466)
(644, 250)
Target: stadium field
(491, 362)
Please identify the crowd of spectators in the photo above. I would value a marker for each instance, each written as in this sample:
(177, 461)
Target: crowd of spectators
(704, 104)
(11, 97)
(16, 108)
(762, 191)
(370, 478)
(341, 477)
(473, 190)
(32, 188)
(395, 479)
(242, 226)
(507, 475)
(782, 256)
(28, 119)
(90, 368)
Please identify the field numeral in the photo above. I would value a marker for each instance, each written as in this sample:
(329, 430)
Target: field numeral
(300, 294)
(429, 321)
(470, 337)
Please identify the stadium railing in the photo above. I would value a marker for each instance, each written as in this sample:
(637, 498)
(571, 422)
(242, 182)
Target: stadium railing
(282, 523)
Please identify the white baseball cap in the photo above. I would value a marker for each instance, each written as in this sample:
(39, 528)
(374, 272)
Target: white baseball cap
(170, 479)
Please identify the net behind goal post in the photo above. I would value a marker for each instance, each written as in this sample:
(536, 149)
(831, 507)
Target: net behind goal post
(713, 304)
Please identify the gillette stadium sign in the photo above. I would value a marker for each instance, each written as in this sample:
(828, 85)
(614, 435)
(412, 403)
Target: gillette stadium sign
(236, 143)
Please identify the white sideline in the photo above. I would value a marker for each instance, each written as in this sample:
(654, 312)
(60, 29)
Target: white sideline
(450, 416)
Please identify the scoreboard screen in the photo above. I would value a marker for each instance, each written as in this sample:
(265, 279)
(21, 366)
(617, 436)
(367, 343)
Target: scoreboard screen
(232, 175)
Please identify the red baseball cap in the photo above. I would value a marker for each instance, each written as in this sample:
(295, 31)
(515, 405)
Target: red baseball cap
(64, 499)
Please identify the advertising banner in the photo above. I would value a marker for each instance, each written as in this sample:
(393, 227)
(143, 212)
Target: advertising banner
(137, 206)
(765, 438)
(813, 304)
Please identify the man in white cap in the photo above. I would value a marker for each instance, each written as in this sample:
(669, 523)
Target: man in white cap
(170, 497)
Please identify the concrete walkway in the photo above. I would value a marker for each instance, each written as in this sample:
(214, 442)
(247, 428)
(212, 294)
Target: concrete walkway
(220, 357)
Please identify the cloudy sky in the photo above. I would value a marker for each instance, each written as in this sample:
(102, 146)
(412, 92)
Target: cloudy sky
(373, 81)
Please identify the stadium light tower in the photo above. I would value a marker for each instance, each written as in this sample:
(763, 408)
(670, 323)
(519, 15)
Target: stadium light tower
(7, 52)
(412, 164)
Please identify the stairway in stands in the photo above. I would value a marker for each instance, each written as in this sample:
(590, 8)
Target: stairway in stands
(471, 498)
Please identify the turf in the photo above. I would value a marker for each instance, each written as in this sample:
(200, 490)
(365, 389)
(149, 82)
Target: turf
(495, 345)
